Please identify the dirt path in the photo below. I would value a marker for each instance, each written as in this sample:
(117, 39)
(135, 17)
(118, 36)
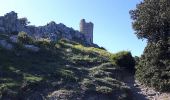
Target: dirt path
(142, 92)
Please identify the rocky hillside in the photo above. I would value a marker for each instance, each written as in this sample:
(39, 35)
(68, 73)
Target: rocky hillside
(11, 24)
(46, 70)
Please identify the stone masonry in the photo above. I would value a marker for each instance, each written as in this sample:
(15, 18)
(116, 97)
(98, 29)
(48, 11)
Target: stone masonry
(87, 29)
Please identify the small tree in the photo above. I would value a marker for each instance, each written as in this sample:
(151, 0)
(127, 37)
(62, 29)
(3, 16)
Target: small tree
(24, 21)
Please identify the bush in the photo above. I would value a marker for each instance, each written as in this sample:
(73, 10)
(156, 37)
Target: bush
(44, 43)
(153, 68)
(125, 60)
(24, 38)
(66, 75)
(136, 58)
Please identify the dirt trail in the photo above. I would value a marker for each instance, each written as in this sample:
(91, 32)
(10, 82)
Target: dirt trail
(141, 92)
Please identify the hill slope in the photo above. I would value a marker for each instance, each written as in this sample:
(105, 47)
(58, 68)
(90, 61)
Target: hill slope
(63, 70)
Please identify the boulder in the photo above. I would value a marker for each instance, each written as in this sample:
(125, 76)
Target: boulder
(35, 96)
(14, 38)
(32, 48)
(2, 29)
(61, 95)
(6, 45)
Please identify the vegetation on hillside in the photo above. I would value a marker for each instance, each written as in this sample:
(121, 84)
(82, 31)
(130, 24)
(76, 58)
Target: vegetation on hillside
(62, 70)
(153, 68)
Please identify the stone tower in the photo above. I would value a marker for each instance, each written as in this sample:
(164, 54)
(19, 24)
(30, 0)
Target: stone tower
(87, 30)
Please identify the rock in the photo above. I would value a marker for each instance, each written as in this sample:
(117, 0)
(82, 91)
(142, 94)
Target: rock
(35, 96)
(52, 36)
(32, 48)
(163, 96)
(68, 50)
(60, 95)
(6, 45)
(151, 94)
(136, 85)
(1, 21)
(2, 30)
(14, 38)
(10, 23)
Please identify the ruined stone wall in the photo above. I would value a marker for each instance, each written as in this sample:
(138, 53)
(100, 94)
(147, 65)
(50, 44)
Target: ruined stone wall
(10, 23)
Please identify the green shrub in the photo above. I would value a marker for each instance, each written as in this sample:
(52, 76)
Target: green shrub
(44, 43)
(153, 68)
(57, 69)
(24, 38)
(125, 60)
(98, 51)
(66, 75)
(31, 78)
(136, 58)
(88, 84)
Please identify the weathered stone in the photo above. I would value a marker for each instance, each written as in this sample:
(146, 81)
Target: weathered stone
(32, 48)
(2, 30)
(87, 29)
(53, 37)
(60, 95)
(1, 21)
(14, 38)
(6, 45)
(151, 93)
(10, 23)
(36, 96)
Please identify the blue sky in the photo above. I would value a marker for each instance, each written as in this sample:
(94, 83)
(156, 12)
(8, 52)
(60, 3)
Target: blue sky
(112, 23)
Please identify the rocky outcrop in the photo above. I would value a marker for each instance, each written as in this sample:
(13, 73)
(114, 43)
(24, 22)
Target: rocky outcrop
(10, 23)
(6, 45)
(14, 38)
(32, 48)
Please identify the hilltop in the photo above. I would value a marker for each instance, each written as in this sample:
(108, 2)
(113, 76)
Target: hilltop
(11, 24)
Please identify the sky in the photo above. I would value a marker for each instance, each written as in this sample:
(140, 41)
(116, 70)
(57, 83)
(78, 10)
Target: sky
(112, 23)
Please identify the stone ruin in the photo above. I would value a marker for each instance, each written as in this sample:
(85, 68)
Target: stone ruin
(87, 29)
(10, 23)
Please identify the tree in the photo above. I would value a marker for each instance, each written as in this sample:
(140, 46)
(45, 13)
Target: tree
(151, 19)
(24, 21)
(153, 68)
